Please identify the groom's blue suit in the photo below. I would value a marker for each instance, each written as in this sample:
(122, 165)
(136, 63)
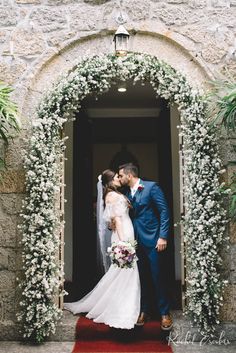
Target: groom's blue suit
(151, 220)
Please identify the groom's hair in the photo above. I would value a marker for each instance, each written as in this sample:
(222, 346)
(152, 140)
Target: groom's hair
(129, 168)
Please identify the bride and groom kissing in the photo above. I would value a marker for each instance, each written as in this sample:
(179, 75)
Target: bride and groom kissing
(121, 299)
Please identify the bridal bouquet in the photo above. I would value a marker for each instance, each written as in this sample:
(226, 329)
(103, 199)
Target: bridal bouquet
(123, 253)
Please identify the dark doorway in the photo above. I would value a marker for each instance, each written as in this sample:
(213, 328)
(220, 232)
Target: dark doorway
(141, 131)
(101, 142)
(84, 233)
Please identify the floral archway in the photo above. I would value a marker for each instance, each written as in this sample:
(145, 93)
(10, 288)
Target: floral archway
(203, 223)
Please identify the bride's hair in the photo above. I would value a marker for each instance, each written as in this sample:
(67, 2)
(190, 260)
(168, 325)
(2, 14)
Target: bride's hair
(107, 178)
(107, 182)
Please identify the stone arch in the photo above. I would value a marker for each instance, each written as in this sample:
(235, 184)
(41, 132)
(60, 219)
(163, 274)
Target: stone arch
(165, 45)
(46, 146)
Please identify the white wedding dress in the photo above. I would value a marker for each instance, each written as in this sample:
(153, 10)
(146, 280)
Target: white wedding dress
(115, 300)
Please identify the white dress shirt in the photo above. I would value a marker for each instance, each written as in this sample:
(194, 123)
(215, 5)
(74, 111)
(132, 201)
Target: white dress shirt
(135, 188)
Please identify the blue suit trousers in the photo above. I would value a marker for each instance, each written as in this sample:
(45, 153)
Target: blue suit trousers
(152, 276)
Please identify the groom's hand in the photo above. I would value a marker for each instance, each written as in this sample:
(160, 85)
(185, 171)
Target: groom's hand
(161, 244)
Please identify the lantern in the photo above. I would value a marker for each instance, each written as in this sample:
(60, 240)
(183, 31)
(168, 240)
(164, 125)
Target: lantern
(121, 40)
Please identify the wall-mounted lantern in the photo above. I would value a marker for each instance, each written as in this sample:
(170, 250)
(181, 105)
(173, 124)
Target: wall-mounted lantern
(121, 39)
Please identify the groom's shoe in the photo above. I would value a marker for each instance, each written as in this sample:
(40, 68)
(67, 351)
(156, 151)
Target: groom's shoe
(166, 322)
(143, 317)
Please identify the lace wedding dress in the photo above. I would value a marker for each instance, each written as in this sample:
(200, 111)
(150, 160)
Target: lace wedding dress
(115, 300)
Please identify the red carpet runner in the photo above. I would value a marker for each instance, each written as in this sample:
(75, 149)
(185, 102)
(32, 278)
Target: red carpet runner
(92, 337)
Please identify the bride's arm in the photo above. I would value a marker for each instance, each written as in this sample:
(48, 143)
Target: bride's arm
(119, 228)
(116, 220)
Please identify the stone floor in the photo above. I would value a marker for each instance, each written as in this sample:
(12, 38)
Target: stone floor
(66, 347)
(195, 348)
(182, 339)
(49, 347)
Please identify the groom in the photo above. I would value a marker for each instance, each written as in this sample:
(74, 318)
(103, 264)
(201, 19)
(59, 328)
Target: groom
(151, 226)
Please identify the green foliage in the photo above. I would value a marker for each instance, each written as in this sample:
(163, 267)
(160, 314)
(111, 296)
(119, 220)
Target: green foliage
(222, 101)
(8, 117)
(222, 104)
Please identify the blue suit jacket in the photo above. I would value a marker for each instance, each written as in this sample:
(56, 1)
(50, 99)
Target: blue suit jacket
(150, 214)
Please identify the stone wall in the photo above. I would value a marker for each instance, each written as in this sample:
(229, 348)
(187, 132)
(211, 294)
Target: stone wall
(41, 38)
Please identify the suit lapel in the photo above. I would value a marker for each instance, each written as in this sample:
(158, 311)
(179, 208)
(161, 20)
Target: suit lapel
(129, 197)
(128, 194)
(137, 198)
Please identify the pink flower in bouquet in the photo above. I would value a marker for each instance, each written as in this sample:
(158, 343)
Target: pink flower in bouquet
(123, 254)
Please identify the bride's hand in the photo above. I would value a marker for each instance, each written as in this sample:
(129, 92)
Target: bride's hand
(112, 225)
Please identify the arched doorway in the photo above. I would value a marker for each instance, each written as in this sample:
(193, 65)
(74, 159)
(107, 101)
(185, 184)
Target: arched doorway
(46, 153)
(111, 129)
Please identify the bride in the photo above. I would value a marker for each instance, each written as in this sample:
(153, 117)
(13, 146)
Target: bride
(115, 300)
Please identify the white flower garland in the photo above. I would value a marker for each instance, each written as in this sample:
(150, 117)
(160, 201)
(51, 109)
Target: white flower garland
(204, 221)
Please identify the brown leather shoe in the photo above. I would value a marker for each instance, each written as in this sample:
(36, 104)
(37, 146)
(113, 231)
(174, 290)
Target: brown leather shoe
(166, 322)
(143, 317)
